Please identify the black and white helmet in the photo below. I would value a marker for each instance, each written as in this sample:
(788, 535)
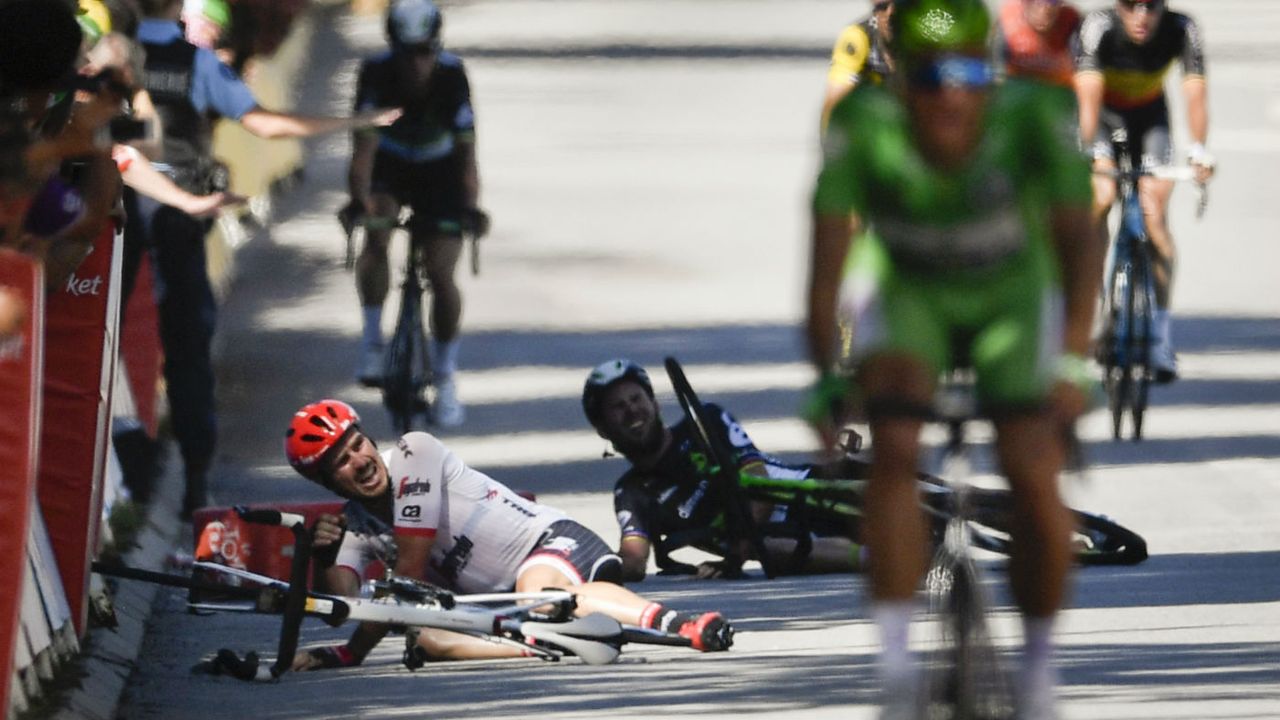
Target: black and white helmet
(602, 377)
(413, 23)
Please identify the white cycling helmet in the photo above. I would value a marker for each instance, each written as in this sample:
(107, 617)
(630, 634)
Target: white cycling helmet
(413, 23)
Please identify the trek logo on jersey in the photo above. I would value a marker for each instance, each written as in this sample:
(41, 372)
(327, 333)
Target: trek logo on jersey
(518, 508)
(412, 512)
(414, 487)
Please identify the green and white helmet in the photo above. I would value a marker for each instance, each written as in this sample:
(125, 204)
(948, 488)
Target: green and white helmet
(925, 28)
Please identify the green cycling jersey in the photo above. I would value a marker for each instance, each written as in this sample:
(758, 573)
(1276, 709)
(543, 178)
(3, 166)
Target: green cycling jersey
(957, 259)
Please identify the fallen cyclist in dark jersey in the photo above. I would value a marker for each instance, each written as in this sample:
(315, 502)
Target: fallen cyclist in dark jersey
(461, 529)
(667, 499)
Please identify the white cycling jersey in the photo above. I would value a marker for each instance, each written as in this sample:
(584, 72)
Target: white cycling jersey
(483, 531)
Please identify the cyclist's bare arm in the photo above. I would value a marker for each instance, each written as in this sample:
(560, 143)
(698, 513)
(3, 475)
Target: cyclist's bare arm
(1080, 251)
(634, 551)
(470, 172)
(1089, 88)
(833, 236)
(364, 146)
(1196, 93)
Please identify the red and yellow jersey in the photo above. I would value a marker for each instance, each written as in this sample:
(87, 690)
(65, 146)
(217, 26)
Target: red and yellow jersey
(1023, 52)
(1134, 74)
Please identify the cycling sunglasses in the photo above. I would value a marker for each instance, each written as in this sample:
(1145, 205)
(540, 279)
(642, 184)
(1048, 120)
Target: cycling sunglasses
(955, 71)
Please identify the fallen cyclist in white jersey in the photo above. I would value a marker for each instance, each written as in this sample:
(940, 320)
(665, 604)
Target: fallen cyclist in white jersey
(458, 528)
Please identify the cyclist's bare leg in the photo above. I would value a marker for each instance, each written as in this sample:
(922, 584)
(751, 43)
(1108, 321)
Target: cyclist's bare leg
(439, 262)
(1104, 196)
(613, 600)
(1031, 453)
(894, 527)
(1030, 449)
(373, 274)
(1154, 194)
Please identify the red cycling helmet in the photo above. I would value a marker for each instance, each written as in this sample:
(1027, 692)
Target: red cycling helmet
(314, 431)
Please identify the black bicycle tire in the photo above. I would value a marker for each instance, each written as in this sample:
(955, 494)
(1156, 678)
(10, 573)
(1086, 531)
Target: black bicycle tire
(398, 388)
(1143, 338)
(1111, 542)
(965, 659)
(739, 511)
(1121, 362)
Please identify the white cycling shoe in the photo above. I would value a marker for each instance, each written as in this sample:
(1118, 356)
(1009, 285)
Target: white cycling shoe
(447, 410)
(1163, 362)
(369, 371)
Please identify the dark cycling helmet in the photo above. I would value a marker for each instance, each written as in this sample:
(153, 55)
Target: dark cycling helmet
(315, 430)
(602, 377)
(413, 23)
(931, 27)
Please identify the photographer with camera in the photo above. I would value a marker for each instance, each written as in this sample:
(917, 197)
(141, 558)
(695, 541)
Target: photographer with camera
(189, 86)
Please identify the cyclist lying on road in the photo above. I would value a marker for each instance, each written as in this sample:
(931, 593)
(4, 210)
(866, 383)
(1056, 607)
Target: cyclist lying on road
(668, 492)
(472, 533)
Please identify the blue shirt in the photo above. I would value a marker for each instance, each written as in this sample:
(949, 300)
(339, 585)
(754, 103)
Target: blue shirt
(214, 86)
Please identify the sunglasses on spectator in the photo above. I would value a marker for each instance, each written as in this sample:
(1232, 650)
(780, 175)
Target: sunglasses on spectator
(953, 72)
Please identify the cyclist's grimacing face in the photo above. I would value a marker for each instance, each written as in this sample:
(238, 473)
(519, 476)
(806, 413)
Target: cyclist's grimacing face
(355, 471)
(629, 418)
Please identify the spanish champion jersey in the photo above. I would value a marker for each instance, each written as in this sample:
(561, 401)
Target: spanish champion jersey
(482, 530)
(974, 218)
(1134, 74)
(1023, 52)
(859, 55)
(433, 121)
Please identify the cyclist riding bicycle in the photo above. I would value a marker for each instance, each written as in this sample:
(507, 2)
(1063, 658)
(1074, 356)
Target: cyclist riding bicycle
(460, 529)
(668, 491)
(1126, 53)
(1037, 39)
(962, 208)
(860, 55)
(427, 161)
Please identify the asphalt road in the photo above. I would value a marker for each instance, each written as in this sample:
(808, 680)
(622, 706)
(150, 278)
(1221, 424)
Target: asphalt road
(647, 165)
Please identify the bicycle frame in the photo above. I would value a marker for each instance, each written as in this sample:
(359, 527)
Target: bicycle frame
(509, 618)
(1128, 307)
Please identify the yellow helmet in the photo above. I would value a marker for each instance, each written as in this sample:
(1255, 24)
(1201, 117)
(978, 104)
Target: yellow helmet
(95, 19)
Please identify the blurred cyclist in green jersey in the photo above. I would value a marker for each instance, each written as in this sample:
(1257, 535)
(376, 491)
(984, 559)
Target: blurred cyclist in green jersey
(951, 227)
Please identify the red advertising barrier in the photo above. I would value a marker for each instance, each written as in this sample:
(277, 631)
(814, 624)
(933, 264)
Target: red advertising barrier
(140, 347)
(81, 320)
(222, 537)
(20, 364)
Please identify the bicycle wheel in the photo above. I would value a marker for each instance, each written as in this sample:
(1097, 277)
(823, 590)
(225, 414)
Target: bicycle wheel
(1117, 369)
(1096, 540)
(724, 467)
(405, 370)
(1143, 310)
(963, 675)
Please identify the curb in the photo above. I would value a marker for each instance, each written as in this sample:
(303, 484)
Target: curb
(111, 654)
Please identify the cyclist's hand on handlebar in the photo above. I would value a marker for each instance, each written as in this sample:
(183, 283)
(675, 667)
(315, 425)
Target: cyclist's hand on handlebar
(824, 407)
(328, 529)
(1202, 162)
(475, 222)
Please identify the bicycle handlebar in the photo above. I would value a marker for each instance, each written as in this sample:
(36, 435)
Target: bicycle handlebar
(1174, 173)
(267, 516)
